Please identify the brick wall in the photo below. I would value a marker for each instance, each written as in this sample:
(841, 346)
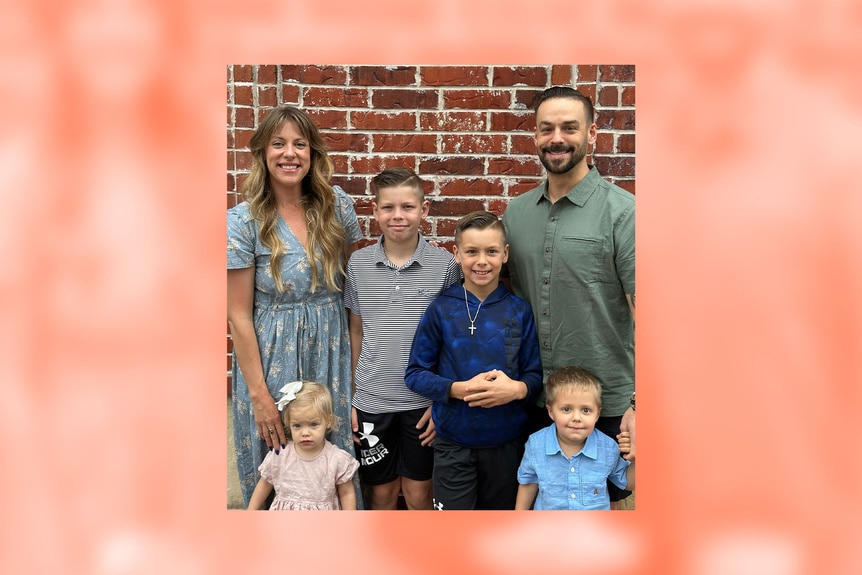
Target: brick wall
(467, 130)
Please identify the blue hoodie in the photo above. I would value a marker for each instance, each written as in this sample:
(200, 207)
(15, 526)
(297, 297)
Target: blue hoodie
(444, 352)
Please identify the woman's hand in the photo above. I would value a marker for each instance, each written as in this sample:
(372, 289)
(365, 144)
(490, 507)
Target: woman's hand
(269, 424)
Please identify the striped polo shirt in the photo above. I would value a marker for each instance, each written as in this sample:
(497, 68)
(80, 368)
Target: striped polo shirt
(391, 301)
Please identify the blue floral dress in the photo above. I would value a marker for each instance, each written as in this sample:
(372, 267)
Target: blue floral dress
(301, 335)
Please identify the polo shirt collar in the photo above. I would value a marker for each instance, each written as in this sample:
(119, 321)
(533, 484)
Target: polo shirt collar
(380, 253)
(552, 444)
(580, 193)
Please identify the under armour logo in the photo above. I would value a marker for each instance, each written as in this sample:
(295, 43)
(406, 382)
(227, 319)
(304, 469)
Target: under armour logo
(438, 505)
(365, 434)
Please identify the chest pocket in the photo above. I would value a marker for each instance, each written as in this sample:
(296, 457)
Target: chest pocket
(594, 493)
(583, 258)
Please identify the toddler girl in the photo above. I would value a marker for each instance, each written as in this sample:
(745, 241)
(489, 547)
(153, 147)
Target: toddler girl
(311, 472)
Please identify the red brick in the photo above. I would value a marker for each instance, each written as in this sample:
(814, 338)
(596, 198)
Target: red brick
(473, 144)
(608, 96)
(446, 228)
(527, 98)
(405, 143)
(616, 120)
(497, 206)
(336, 75)
(615, 166)
(267, 96)
(336, 97)
(240, 180)
(404, 99)
(242, 138)
(231, 161)
(617, 73)
(230, 139)
(514, 167)
(458, 207)
(233, 200)
(561, 75)
(454, 75)
(363, 205)
(267, 74)
(452, 165)
(604, 143)
(374, 164)
(470, 187)
(453, 121)
(243, 95)
(628, 98)
(588, 90)
(243, 74)
(346, 141)
(289, 94)
(476, 99)
(328, 119)
(587, 74)
(512, 121)
(355, 186)
(522, 145)
(519, 75)
(231, 183)
(383, 75)
(340, 163)
(383, 120)
(522, 186)
(244, 117)
(626, 144)
(243, 160)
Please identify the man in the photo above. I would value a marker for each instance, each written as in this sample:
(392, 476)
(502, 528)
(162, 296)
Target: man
(572, 256)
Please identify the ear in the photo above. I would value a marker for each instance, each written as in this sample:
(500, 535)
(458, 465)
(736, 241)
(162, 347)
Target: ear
(456, 253)
(426, 207)
(548, 407)
(374, 208)
(592, 134)
(506, 253)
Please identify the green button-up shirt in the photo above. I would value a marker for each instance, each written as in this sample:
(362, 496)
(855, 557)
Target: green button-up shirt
(574, 261)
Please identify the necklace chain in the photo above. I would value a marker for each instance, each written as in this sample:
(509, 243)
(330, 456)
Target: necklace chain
(472, 319)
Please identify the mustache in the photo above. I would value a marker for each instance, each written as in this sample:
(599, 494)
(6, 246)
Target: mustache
(557, 149)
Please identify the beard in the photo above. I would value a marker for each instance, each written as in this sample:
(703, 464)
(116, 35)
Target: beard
(565, 165)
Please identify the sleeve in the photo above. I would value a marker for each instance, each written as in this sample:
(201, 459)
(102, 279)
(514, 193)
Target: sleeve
(527, 469)
(618, 473)
(453, 273)
(421, 374)
(624, 240)
(347, 215)
(351, 293)
(530, 358)
(345, 467)
(266, 466)
(241, 238)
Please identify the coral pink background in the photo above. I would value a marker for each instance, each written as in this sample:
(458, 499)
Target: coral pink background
(749, 316)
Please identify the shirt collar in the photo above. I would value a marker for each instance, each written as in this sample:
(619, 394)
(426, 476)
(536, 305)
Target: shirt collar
(552, 444)
(580, 193)
(380, 253)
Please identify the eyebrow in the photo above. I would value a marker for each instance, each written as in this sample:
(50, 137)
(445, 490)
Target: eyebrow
(574, 123)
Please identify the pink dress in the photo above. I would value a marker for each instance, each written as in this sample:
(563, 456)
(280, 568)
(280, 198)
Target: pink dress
(307, 483)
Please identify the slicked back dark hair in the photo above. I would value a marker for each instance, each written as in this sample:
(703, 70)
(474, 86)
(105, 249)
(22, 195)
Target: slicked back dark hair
(398, 176)
(566, 92)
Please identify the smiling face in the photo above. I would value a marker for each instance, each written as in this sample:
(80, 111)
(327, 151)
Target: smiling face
(481, 253)
(563, 135)
(575, 411)
(307, 429)
(288, 157)
(399, 211)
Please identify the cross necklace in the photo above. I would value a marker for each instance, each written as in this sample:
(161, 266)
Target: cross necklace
(472, 319)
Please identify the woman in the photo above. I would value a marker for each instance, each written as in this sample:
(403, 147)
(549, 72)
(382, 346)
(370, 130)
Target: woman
(289, 325)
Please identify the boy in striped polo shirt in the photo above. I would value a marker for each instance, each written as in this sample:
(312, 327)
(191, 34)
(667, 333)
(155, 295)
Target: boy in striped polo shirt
(389, 284)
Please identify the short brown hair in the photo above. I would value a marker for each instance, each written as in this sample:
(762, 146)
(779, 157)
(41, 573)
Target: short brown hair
(398, 176)
(479, 220)
(572, 377)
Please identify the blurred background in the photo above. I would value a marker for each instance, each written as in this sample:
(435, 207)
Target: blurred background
(749, 323)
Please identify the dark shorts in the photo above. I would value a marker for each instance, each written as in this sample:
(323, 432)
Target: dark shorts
(390, 447)
(475, 478)
(610, 426)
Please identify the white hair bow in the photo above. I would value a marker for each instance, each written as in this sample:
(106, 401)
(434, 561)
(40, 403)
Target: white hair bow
(289, 390)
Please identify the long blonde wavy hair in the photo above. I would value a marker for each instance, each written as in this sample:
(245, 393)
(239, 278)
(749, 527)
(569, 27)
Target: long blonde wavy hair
(326, 236)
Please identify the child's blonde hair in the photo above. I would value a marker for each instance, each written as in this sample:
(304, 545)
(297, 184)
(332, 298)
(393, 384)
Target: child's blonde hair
(572, 377)
(318, 398)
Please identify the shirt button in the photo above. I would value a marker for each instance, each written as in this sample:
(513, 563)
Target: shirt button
(545, 281)
(553, 218)
(397, 287)
(573, 496)
(547, 250)
(572, 469)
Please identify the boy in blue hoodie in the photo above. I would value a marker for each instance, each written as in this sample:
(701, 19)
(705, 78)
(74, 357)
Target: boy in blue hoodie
(476, 355)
